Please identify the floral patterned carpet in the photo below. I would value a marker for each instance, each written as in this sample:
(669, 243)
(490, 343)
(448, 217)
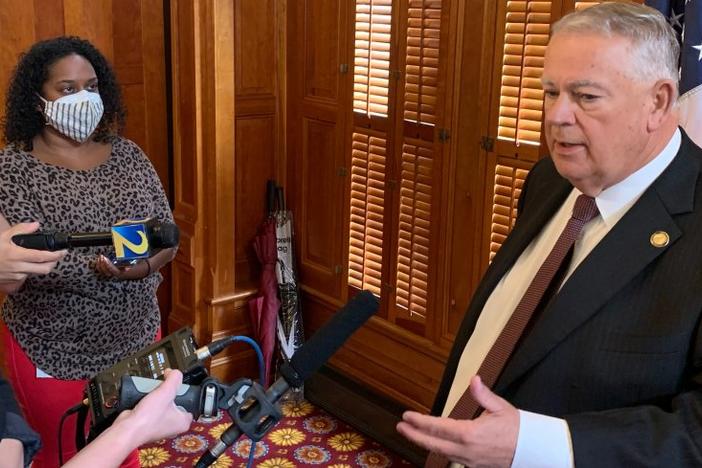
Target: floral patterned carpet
(305, 436)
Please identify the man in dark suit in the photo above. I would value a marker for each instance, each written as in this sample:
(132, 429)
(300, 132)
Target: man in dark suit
(608, 368)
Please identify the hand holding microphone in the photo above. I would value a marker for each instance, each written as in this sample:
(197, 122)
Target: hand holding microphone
(131, 271)
(253, 409)
(16, 263)
(156, 416)
(133, 241)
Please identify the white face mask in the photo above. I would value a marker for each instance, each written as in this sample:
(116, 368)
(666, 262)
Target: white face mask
(76, 115)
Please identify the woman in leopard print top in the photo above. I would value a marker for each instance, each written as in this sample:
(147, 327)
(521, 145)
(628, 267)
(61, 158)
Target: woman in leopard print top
(86, 314)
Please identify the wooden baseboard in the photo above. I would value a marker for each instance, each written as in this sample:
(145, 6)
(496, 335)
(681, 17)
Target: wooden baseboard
(368, 412)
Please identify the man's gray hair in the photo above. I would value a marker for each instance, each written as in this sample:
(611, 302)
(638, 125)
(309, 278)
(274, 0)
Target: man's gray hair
(655, 45)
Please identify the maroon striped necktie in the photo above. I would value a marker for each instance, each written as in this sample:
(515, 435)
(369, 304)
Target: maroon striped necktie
(584, 210)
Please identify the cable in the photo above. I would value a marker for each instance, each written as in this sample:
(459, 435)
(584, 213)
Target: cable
(259, 355)
(218, 346)
(249, 464)
(69, 411)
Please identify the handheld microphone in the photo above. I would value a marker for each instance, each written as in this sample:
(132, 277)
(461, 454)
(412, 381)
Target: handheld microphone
(254, 416)
(131, 240)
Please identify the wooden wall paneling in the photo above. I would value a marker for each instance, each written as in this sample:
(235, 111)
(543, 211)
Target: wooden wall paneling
(185, 71)
(256, 47)
(472, 101)
(257, 124)
(128, 64)
(92, 20)
(16, 35)
(50, 23)
(205, 295)
(322, 49)
(392, 362)
(217, 19)
(255, 164)
(316, 180)
(187, 156)
(155, 99)
(321, 213)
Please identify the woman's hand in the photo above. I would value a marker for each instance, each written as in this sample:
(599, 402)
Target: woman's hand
(16, 263)
(156, 416)
(105, 267)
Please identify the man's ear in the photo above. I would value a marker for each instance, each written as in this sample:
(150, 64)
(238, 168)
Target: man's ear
(663, 97)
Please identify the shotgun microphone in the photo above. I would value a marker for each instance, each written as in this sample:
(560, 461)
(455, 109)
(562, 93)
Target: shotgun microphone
(254, 415)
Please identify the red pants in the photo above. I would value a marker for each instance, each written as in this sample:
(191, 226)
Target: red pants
(43, 402)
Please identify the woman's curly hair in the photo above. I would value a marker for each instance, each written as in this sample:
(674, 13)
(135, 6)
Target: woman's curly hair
(23, 117)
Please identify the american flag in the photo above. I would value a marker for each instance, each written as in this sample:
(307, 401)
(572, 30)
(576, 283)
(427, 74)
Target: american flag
(686, 18)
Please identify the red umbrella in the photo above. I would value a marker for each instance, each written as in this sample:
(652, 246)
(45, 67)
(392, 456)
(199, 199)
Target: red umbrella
(264, 307)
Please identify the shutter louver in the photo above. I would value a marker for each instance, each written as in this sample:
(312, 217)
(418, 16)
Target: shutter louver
(394, 155)
(582, 5)
(521, 97)
(414, 229)
(422, 60)
(372, 57)
(507, 188)
(368, 155)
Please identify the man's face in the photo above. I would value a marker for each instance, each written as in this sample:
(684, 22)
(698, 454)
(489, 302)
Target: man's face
(596, 114)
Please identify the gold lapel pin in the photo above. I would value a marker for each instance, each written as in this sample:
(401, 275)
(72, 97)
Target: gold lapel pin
(660, 239)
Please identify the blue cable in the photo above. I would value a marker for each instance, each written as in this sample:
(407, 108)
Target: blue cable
(261, 376)
(259, 354)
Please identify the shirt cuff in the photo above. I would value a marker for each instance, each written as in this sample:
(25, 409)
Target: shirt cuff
(543, 442)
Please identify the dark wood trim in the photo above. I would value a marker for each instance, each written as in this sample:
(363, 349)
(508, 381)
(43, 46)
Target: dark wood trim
(363, 409)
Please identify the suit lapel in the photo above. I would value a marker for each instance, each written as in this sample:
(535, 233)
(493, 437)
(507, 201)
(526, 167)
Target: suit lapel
(619, 257)
(546, 201)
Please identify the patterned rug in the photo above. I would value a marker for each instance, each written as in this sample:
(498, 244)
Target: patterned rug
(306, 435)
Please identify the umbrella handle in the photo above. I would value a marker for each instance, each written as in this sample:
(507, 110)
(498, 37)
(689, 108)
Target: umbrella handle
(281, 198)
(271, 192)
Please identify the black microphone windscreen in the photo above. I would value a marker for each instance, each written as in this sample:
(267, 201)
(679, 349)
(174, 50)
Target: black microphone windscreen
(42, 241)
(165, 235)
(323, 344)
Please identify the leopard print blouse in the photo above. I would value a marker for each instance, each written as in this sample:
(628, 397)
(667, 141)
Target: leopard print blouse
(73, 322)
